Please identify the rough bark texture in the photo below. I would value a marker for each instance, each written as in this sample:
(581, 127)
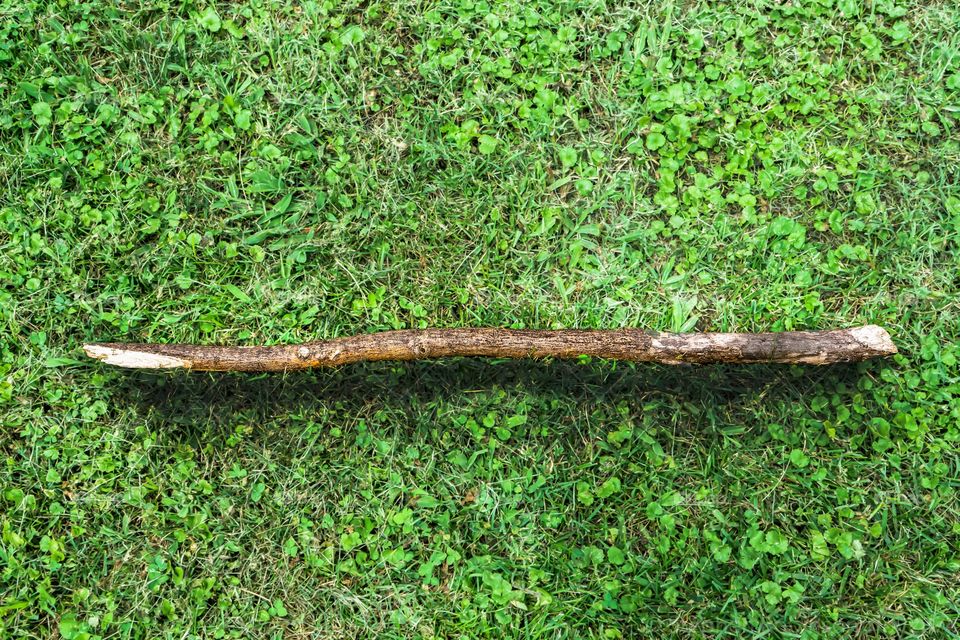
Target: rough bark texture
(796, 347)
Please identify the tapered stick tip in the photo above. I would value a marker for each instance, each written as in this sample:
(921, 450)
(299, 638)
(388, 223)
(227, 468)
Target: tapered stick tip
(131, 358)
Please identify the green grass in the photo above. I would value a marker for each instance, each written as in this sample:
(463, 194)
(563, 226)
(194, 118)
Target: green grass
(271, 172)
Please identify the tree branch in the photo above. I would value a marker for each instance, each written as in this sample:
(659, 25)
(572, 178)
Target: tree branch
(793, 347)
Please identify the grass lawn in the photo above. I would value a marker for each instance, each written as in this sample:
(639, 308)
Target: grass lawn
(273, 172)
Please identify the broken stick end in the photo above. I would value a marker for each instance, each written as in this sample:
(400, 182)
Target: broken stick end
(874, 338)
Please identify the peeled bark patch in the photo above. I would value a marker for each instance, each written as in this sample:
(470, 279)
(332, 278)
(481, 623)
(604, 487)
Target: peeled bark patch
(790, 347)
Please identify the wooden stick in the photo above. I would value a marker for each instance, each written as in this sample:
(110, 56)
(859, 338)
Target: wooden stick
(792, 347)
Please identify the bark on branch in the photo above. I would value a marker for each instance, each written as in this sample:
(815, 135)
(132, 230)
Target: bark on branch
(793, 347)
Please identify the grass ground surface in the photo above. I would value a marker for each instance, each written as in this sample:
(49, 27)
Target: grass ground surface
(272, 172)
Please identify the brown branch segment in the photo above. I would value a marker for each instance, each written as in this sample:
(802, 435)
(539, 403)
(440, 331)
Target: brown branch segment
(795, 347)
